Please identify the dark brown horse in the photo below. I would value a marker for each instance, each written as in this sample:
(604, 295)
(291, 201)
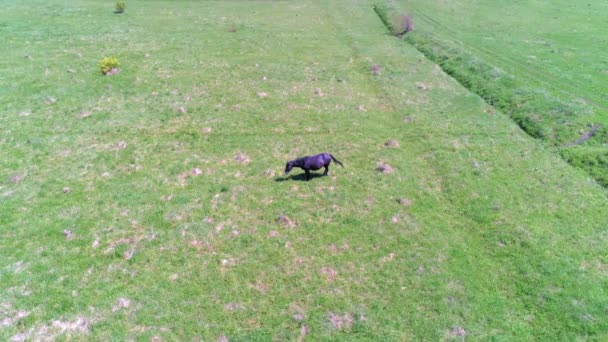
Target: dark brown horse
(312, 163)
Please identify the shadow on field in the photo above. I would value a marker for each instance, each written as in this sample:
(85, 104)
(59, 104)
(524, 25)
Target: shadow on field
(299, 177)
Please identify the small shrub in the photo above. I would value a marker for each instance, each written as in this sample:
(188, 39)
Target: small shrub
(109, 65)
(120, 7)
(376, 69)
(590, 159)
(530, 124)
(402, 24)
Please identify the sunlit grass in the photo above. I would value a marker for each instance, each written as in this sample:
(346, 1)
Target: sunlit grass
(146, 204)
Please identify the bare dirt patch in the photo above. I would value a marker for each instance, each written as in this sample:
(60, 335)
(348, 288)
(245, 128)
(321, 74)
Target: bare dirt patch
(131, 242)
(121, 303)
(181, 178)
(269, 173)
(375, 69)
(286, 221)
(16, 179)
(260, 286)
(121, 145)
(202, 246)
(391, 143)
(85, 113)
(341, 322)
(333, 249)
(422, 86)
(127, 255)
(329, 273)
(304, 330)
(229, 262)
(11, 318)
(405, 202)
(242, 158)
(456, 332)
(50, 332)
(409, 119)
(17, 267)
(388, 258)
(384, 168)
(586, 136)
(233, 306)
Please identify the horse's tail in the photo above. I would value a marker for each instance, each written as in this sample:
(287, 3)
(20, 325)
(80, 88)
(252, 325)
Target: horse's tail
(336, 160)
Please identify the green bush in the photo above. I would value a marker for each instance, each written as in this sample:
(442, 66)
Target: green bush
(120, 7)
(593, 159)
(108, 65)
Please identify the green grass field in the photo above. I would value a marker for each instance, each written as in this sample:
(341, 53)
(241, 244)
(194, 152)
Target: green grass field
(144, 205)
(541, 62)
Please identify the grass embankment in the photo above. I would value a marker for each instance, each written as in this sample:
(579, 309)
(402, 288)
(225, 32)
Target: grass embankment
(173, 213)
(536, 62)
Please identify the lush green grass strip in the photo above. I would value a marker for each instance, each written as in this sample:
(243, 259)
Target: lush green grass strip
(592, 159)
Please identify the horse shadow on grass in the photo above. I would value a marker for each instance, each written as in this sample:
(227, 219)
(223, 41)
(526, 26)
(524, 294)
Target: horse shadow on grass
(299, 177)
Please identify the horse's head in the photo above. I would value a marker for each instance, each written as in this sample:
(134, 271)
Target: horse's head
(288, 167)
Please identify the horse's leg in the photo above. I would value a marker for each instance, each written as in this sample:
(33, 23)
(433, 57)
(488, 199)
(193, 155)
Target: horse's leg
(326, 170)
(307, 174)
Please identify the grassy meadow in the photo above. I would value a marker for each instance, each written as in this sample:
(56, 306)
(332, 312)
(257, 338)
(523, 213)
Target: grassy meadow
(541, 62)
(152, 204)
